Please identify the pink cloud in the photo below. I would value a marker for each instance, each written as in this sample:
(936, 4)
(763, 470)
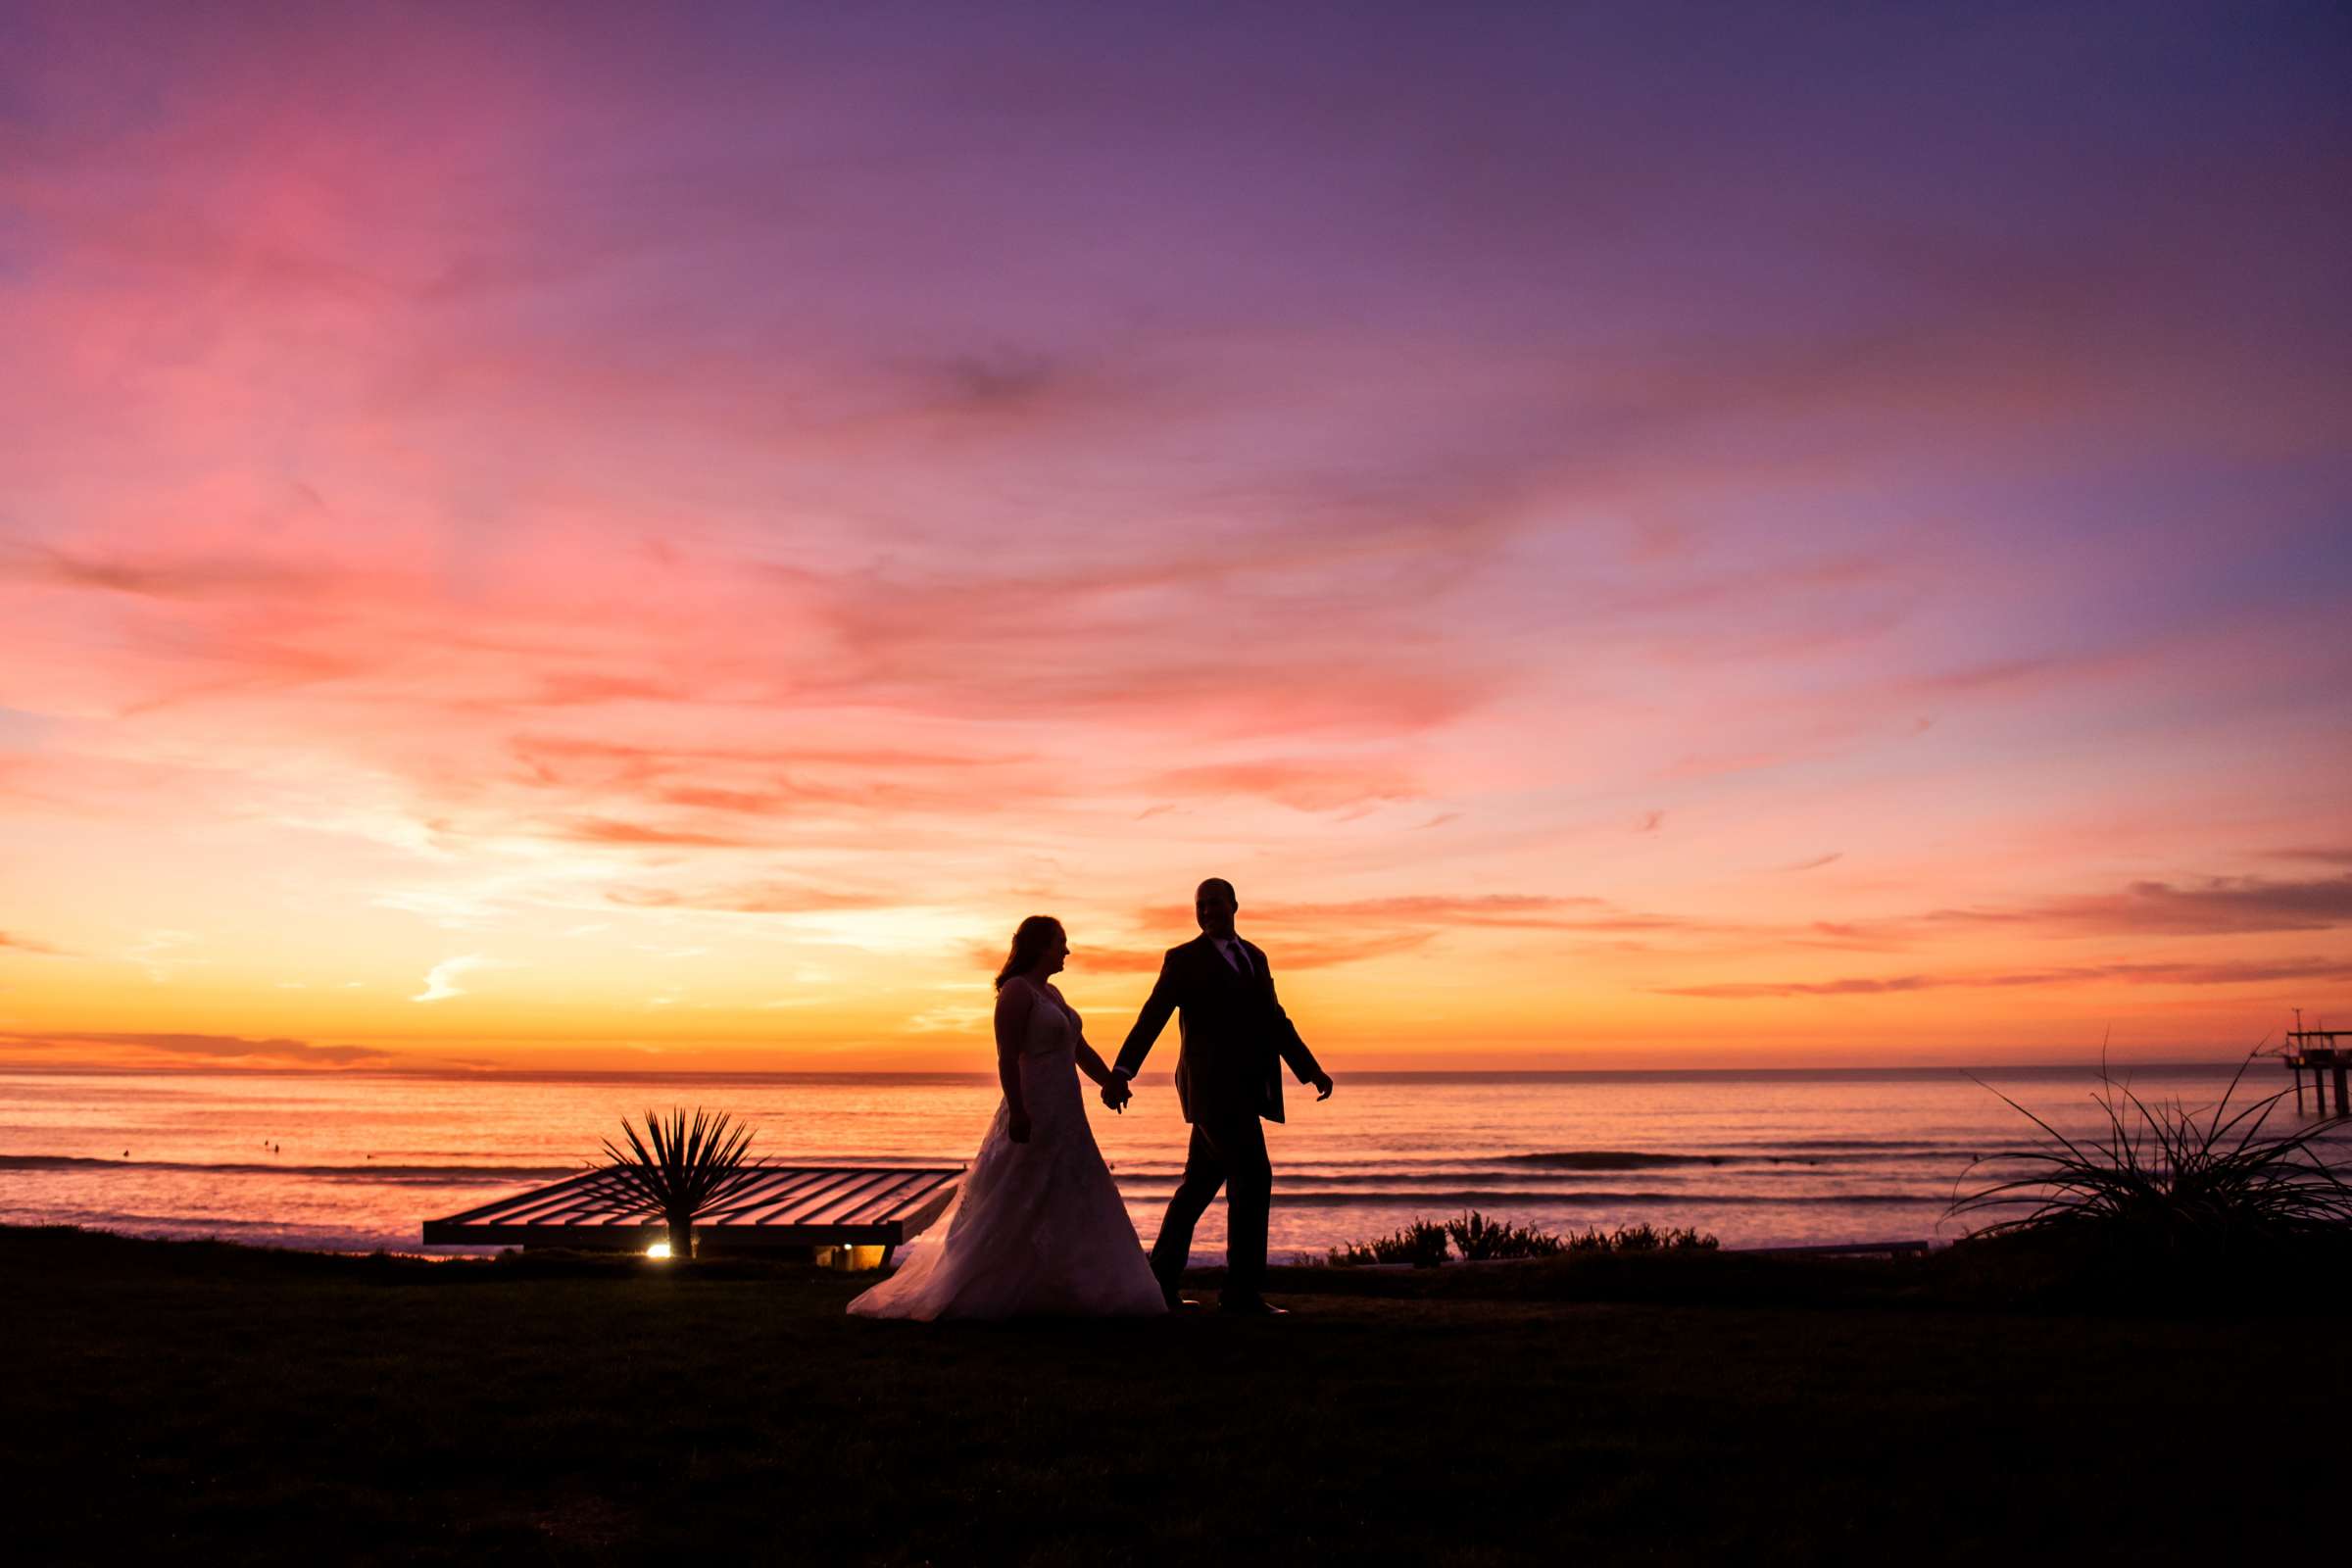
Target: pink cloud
(2228, 973)
(603, 830)
(24, 944)
(2214, 905)
(225, 1050)
(1307, 786)
(770, 896)
(1295, 953)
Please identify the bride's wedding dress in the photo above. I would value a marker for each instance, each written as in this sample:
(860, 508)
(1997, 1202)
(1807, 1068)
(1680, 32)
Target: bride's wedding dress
(1038, 1228)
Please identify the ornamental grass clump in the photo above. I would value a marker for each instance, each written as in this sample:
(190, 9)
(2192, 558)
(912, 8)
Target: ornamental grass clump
(1421, 1243)
(1479, 1238)
(683, 1171)
(2165, 1183)
(1644, 1238)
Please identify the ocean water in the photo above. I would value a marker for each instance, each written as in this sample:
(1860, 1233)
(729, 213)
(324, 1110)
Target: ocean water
(352, 1161)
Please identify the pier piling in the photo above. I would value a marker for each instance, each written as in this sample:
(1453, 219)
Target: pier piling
(2323, 1052)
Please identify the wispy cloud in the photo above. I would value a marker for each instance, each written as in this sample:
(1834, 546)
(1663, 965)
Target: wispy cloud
(1287, 955)
(24, 944)
(2215, 905)
(1320, 936)
(771, 896)
(606, 830)
(2225, 973)
(2327, 856)
(219, 1048)
(950, 1019)
(1492, 911)
(1307, 786)
(160, 952)
(186, 578)
(441, 981)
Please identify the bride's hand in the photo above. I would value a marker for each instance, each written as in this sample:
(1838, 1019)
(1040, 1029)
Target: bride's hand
(1016, 1127)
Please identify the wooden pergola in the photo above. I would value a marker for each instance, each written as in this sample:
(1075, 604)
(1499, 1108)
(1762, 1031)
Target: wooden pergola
(871, 1209)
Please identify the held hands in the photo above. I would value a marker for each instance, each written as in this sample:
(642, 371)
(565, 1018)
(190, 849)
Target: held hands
(1016, 1127)
(1322, 1083)
(1115, 1093)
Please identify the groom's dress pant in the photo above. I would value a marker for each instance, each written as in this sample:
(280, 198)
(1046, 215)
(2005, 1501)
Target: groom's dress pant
(1228, 1152)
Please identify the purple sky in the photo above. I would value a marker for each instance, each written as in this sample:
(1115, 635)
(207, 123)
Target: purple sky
(918, 462)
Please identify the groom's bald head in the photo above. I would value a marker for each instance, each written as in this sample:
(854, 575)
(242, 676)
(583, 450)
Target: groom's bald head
(1213, 905)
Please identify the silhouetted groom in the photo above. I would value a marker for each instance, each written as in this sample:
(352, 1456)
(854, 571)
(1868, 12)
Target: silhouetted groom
(1234, 1037)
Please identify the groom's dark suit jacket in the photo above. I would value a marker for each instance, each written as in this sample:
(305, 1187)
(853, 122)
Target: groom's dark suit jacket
(1235, 1034)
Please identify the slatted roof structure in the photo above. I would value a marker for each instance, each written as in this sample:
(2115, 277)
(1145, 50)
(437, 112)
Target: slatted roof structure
(784, 1206)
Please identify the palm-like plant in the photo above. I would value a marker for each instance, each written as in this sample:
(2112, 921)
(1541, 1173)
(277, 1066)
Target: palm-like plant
(683, 1171)
(2165, 1181)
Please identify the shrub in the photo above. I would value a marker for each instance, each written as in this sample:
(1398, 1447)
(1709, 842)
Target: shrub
(1420, 1244)
(1423, 1243)
(2164, 1182)
(1644, 1238)
(1478, 1237)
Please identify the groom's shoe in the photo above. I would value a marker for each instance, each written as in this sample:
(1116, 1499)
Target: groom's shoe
(1183, 1303)
(1253, 1306)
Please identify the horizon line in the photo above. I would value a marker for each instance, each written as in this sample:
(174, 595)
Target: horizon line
(456, 1074)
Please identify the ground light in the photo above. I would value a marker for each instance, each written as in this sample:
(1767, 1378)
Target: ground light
(850, 1259)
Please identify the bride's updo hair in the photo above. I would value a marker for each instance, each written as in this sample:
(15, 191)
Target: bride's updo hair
(1029, 939)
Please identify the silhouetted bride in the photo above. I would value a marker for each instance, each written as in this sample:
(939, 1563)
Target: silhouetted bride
(1038, 1229)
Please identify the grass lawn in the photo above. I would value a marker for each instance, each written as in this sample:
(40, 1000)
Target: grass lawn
(205, 1402)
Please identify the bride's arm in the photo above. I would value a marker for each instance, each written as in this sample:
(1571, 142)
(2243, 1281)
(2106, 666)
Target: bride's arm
(1013, 1002)
(1091, 1063)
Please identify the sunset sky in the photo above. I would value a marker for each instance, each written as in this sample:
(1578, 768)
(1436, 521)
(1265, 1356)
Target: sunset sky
(645, 537)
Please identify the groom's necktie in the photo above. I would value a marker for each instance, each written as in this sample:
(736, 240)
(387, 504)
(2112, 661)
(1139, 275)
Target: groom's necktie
(1235, 955)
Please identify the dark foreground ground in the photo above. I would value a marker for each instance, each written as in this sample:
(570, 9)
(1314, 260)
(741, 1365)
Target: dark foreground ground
(193, 1401)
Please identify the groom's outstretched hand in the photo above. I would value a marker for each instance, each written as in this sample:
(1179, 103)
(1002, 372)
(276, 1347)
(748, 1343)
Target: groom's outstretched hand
(1117, 1094)
(1322, 1083)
